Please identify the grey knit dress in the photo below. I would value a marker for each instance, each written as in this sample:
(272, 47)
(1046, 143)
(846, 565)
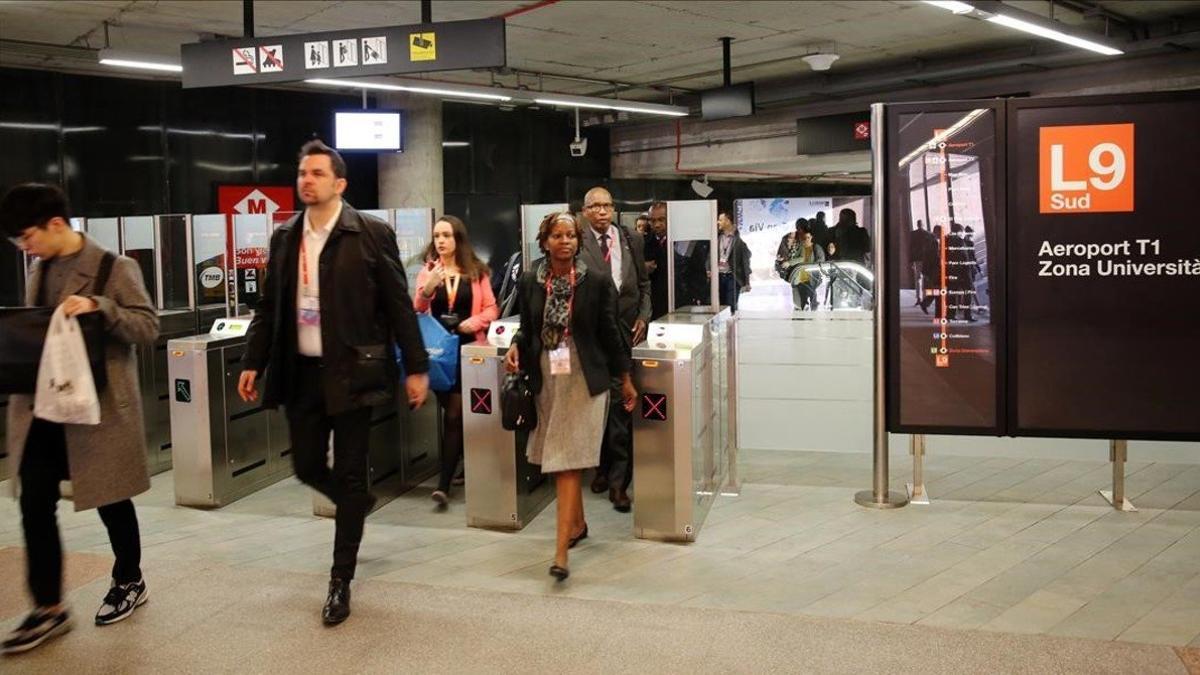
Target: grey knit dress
(570, 420)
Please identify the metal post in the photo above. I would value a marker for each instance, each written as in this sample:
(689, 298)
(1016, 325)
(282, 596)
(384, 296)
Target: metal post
(1118, 452)
(726, 62)
(916, 489)
(879, 497)
(426, 11)
(248, 18)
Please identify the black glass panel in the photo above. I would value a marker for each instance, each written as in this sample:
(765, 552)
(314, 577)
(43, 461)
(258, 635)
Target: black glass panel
(112, 146)
(209, 134)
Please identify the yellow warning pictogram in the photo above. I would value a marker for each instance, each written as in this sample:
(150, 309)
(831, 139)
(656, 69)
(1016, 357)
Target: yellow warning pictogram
(422, 46)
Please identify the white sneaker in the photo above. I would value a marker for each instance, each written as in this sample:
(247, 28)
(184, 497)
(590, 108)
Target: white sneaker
(120, 602)
(36, 629)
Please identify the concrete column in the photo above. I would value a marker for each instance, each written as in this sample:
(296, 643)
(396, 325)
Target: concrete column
(413, 178)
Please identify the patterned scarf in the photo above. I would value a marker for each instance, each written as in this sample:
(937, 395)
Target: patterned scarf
(558, 302)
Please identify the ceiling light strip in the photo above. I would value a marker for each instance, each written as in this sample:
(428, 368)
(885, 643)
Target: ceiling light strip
(1052, 34)
(142, 65)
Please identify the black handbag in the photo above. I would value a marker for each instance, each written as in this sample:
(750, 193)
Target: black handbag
(22, 335)
(518, 411)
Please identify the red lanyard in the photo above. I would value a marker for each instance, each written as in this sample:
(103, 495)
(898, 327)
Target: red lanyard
(303, 262)
(570, 300)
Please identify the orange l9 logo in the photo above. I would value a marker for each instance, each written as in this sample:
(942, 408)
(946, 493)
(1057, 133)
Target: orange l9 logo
(1086, 169)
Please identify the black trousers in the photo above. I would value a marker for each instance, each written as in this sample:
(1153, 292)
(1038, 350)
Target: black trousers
(616, 450)
(43, 465)
(452, 436)
(347, 484)
(727, 290)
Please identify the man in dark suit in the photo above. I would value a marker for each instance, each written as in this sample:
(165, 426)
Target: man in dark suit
(620, 252)
(335, 302)
(656, 259)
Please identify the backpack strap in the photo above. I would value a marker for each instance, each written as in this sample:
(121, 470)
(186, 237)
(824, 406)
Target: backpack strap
(104, 272)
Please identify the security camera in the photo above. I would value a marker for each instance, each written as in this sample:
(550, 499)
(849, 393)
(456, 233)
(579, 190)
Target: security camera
(579, 147)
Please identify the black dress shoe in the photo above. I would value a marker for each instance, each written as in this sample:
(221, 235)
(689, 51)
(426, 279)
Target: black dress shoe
(620, 500)
(578, 538)
(599, 484)
(337, 606)
(559, 572)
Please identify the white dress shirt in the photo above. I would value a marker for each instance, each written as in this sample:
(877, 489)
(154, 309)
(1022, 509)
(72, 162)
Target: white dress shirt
(614, 247)
(308, 337)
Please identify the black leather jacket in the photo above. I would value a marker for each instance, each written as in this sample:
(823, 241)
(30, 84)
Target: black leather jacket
(365, 311)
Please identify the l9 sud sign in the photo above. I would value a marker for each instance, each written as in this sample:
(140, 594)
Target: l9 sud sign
(1086, 168)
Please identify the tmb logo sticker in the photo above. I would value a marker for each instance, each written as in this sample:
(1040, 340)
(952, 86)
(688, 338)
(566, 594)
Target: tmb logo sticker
(1085, 169)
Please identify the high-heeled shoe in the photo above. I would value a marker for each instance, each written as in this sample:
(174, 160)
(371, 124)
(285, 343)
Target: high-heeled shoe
(578, 538)
(559, 572)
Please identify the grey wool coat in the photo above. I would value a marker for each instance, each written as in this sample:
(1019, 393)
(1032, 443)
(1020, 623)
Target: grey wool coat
(108, 460)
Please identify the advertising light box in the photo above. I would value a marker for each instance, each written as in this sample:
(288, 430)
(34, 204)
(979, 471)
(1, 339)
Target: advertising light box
(1105, 266)
(945, 217)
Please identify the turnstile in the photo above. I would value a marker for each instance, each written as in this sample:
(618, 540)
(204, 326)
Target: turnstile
(222, 448)
(154, 385)
(684, 428)
(503, 489)
(404, 449)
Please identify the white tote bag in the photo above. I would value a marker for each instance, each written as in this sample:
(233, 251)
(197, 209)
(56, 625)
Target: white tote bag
(66, 392)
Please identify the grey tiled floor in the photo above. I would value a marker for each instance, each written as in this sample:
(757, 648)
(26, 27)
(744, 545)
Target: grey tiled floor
(1009, 545)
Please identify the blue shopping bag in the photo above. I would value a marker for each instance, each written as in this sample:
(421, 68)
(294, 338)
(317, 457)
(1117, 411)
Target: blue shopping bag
(442, 346)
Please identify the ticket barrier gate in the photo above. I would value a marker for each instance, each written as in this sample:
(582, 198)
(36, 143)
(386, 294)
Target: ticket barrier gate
(684, 427)
(404, 450)
(503, 489)
(223, 448)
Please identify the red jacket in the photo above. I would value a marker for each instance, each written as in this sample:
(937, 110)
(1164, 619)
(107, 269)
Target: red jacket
(483, 304)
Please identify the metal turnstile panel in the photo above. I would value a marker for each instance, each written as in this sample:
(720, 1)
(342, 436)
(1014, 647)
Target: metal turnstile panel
(684, 427)
(222, 447)
(503, 490)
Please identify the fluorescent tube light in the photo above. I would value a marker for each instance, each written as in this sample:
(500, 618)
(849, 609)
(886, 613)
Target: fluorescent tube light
(436, 91)
(956, 7)
(1052, 34)
(455, 144)
(599, 104)
(119, 59)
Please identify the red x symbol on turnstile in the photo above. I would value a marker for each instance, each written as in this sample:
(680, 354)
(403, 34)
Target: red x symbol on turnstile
(654, 407)
(481, 401)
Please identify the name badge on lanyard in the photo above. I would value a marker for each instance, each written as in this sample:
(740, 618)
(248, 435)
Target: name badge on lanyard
(560, 356)
(308, 311)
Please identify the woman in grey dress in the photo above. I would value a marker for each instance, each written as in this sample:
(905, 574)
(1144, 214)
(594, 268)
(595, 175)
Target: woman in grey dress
(570, 345)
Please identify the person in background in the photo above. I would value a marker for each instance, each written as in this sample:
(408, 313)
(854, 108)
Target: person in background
(571, 346)
(642, 226)
(609, 247)
(848, 241)
(733, 263)
(789, 247)
(656, 259)
(334, 303)
(805, 250)
(106, 463)
(464, 309)
(820, 230)
(931, 269)
(918, 240)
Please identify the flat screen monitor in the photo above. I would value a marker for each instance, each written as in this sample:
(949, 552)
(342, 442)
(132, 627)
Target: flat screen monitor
(368, 130)
(733, 101)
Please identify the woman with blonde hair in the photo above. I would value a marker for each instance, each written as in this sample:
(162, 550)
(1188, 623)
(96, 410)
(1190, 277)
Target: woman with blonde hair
(463, 309)
(570, 346)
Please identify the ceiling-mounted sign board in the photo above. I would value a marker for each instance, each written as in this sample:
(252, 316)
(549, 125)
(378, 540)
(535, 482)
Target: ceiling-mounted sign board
(391, 50)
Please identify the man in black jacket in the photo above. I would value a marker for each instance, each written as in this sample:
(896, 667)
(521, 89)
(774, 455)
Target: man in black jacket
(618, 251)
(656, 259)
(335, 303)
(733, 263)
